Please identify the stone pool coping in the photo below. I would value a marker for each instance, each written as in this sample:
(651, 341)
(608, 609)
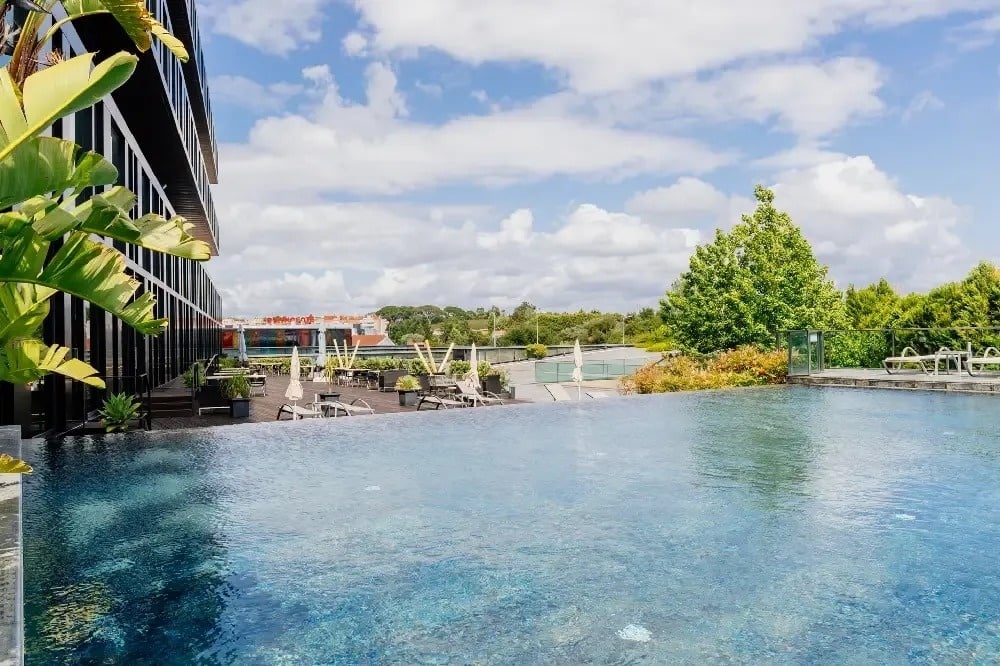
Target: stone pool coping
(11, 572)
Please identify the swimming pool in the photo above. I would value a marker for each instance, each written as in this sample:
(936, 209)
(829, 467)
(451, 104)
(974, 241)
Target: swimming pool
(793, 525)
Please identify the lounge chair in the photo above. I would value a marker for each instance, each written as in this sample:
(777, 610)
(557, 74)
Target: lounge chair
(297, 412)
(989, 357)
(350, 408)
(469, 393)
(558, 392)
(257, 384)
(908, 357)
(440, 402)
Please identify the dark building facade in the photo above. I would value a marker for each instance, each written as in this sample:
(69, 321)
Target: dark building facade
(157, 130)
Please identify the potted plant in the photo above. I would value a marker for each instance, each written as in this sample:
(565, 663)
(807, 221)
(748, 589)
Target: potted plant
(237, 390)
(407, 387)
(120, 412)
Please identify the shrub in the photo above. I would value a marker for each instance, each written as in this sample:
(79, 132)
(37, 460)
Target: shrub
(414, 366)
(483, 369)
(536, 351)
(743, 366)
(407, 383)
(188, 376)
(228, 362)
(235, 387)
(459, 368)
(118, 411)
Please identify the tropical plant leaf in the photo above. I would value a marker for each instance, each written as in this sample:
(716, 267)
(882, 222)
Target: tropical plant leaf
(46, 165)
(140, 25)
(57, 91)
(11, 465)
(25, 361)
(107, 215)
(23, 308)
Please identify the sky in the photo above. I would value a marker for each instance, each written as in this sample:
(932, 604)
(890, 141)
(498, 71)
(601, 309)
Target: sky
(572, 153)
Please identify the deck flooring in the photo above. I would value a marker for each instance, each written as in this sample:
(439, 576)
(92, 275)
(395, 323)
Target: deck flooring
(265, 408)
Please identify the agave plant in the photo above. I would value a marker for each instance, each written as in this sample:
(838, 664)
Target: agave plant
(42, 178)
(119, 410)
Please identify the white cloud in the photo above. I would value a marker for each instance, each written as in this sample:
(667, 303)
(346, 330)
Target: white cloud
(925, 100)
(355, 44)
(241, 91)
(603, 46)
(272, 27)
(865, 226)
(977, 34)
(339, 146)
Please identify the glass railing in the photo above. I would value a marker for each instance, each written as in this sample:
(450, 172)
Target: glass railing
(554, 372)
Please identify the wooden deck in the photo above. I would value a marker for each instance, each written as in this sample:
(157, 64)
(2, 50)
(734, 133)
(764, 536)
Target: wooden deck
(906, 380)
(265, 408)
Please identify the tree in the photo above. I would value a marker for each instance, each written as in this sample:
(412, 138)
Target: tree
(46, 243)
(875, 306)
(746, 285)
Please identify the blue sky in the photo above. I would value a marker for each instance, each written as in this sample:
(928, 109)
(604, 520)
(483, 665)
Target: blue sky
(573, 153)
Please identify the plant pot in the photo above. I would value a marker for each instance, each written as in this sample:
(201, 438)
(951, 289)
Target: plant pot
(491, 384)
(407, 398)
(239, 408)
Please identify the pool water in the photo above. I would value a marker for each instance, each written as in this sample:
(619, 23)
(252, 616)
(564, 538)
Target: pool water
(787, 525)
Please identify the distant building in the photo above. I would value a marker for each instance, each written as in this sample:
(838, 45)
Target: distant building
(276, 335)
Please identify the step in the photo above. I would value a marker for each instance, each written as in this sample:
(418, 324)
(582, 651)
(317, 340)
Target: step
(163, 413)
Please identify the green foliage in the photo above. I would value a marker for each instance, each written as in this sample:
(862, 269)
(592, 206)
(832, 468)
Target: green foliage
(237, 386)
(483, 368)
(12, 465)
(407, 383)
(536, 351)
(459, 368)
(188, 377)
(118, 411)
(47, 187)
(228, 362)
(749, 283)
(742, 366)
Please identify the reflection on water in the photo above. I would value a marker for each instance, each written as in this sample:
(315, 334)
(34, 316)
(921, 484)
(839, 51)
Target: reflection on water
(785, 525)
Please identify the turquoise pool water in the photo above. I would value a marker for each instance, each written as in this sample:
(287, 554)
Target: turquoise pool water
(765, 526)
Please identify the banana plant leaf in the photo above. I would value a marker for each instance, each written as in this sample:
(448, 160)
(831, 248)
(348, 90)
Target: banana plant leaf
(25, 361)
(54, 92)
(134, 17)
(12, 465)
(44, 164)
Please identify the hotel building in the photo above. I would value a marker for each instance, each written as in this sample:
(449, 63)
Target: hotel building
(157, 130)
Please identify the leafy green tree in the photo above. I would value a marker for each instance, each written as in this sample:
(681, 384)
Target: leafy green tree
(751, 282)
(875, 306)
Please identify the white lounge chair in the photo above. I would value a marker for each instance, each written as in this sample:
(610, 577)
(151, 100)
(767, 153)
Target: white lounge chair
(989, 357)
(909, 357)
(351, 408)
(558, 392)
(469, 393)
(297, 412)
(440, 402)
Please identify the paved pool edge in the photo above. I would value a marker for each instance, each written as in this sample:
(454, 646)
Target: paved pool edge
(11, 556)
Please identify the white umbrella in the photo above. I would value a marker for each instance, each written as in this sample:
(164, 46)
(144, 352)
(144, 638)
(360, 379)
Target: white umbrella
(294, 390)
(242, 346)
(578, 370)
(474, 369)
(321, 352)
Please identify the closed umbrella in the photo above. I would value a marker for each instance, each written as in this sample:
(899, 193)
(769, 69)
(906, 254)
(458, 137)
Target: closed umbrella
(242, 346)
(321, 352)
(294, 390)
(474, 369)
(578, 370)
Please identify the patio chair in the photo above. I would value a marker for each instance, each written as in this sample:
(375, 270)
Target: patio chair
(989, 357)
(440, 402)
(908, 357)
(558, 392)
(469, 393)
(258, 384)
(351, 408)
(297, 412)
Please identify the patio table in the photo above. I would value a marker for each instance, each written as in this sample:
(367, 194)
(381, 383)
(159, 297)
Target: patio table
(949, 357)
